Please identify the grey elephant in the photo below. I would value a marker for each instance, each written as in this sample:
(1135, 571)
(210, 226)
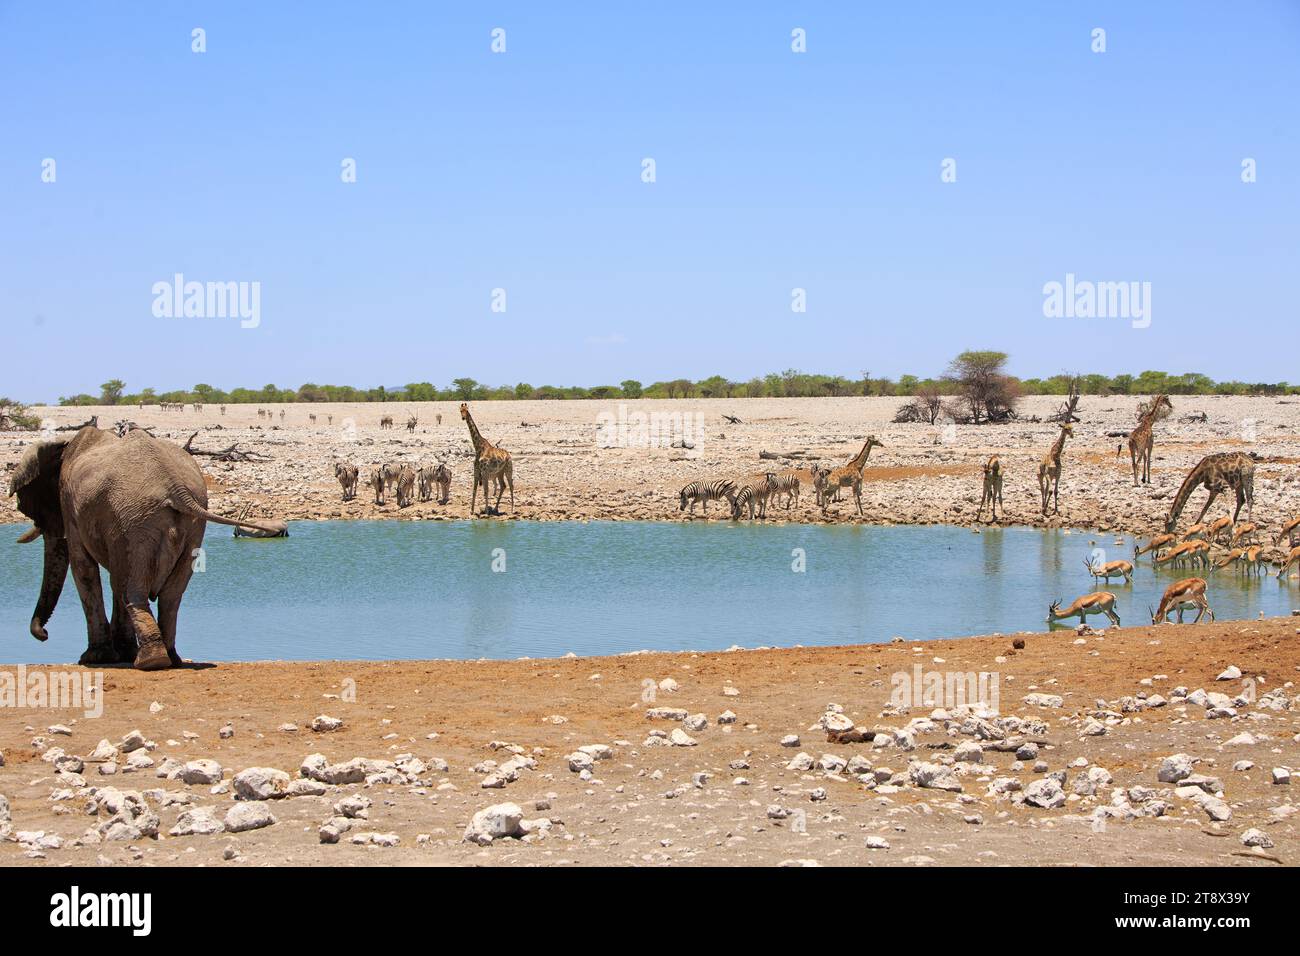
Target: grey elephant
(135, 505)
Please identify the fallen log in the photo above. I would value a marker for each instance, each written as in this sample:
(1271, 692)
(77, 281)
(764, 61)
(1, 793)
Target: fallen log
(225, 454)
(92, 421)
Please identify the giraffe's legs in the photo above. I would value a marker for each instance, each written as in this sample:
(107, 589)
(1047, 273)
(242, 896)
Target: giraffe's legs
(1214, 493)
(501, 489)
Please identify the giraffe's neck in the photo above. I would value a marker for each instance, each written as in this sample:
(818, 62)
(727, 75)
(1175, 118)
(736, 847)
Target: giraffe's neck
(1194, 478)
(480, 443)
(860, 458)
(1058, 447)
(1150, 417)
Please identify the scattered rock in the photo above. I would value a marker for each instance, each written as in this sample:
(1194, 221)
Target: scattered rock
(248, 816)
(201, 772)
(1174, 768)
(197, 821)
(324, 724)
(494, 823)
(1045, 793)
(261, 783)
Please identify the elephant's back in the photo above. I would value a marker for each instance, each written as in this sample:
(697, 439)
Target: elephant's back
(136, 473)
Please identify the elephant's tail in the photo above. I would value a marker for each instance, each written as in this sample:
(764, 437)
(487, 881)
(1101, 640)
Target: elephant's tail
(185, 503)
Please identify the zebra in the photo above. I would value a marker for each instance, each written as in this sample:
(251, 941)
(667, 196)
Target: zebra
(442, 478)
(787, 483)
(405, 486)
(389, 472)
(704, 492)
(347, 475)
(754, 493)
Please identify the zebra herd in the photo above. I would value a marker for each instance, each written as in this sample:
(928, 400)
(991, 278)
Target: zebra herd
(751, 494)
(400, 478)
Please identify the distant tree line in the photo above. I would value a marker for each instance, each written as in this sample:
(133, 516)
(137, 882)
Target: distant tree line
(975, 380)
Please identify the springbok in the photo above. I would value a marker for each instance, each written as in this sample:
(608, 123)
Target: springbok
(1232, 557)
(1111, 569)
(1219, 527)
(1099, 602)
(1290, 530)
(1196, 532)
(1248, 559)
(1195, 551)
(1244, 533)
(1198, 552)
(1156, 545)
(1187, 593)
(1292, 558)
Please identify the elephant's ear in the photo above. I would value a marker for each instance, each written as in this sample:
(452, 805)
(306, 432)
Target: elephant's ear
(36, 483)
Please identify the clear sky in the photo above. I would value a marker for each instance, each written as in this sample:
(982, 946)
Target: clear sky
(523, 171)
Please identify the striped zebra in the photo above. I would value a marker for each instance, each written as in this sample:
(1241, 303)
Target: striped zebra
(753, 493)
(819, 476)
(704, 492)
(788, 483)
(390, 471)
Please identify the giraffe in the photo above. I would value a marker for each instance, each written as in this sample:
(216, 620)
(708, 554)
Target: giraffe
(1049, 470)
(850, 475)
(1141, 441)
(1218, 472)
(992, 488)
(489, 462)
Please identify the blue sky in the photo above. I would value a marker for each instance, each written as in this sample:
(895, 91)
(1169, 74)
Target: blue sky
(522, 171)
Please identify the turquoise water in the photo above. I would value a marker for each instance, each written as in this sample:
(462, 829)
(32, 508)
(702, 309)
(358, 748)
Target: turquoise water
(411, 590)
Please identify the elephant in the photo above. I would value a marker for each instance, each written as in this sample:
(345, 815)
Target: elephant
(136, 505)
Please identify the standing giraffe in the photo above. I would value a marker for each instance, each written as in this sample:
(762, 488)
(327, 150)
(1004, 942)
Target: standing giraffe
(850, 475)
(992, 488)
(1219, 472)
(1142, 439)
(489, 462)
(1049, 470)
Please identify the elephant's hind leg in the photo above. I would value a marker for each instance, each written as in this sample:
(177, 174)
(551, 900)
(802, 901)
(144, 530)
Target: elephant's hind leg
(152, 654)
(169, 605)
(121, 631)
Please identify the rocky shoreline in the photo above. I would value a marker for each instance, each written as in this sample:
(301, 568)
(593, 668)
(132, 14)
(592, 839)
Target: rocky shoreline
(1170, 745)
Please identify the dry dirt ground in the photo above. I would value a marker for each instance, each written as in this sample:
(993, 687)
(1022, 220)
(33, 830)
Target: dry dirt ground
(924, 474)
(731, 798)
